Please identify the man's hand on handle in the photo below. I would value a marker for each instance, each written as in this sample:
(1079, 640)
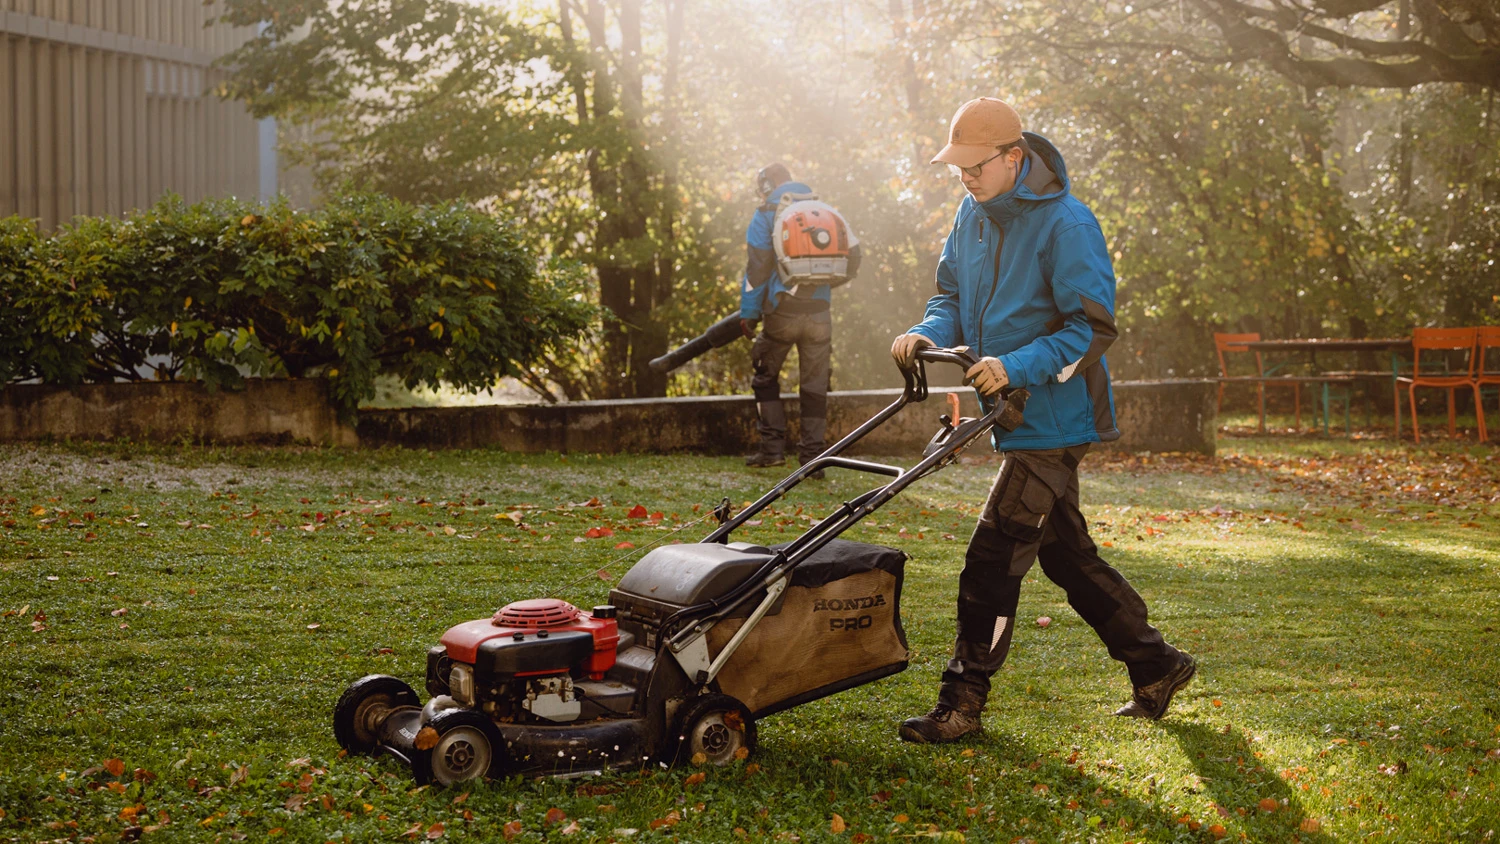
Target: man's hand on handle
(904, 349)
(988, 376)
(748, 326)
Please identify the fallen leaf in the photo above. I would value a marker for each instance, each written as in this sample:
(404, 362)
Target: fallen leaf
(624, 545)
(511, 830)
(695, 779)
(435, 831)
(1310, 825)
(1043, 621)
(555, 815)
(1268, 804)
(699, 758)
(836, 825)
(115, 767)
(1217, 831)
(637, 512)
(741, 752)
(427, 739)
(571, 828)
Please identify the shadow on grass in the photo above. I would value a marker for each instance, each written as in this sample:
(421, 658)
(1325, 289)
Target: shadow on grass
(1239, 786)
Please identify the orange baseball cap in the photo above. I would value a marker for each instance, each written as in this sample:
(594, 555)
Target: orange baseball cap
(977, 128)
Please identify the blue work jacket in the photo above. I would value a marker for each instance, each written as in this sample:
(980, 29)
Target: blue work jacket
(1026, 278)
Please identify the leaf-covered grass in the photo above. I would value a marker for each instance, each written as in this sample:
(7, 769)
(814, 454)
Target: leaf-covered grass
(194, 613)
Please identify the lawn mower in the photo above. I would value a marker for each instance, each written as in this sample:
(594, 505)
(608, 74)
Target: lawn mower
(697, 643)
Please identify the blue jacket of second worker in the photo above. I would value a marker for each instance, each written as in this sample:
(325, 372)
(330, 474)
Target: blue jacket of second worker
(762, 289)
(1026, 278)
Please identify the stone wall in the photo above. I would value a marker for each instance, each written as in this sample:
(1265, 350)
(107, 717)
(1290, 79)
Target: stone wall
(265, 411)
(1153, 415)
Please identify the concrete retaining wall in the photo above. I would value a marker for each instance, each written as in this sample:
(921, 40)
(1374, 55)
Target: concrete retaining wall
(1154, 416)
(265, 411)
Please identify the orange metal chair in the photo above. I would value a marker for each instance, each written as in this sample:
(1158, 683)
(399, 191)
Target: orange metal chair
(1486, 374)
(1441, 340)
(1234, 344)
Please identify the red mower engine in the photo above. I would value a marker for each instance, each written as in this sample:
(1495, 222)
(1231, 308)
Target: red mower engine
(525, 661)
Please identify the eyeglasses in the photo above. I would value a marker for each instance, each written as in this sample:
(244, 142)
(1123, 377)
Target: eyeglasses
(977, 169)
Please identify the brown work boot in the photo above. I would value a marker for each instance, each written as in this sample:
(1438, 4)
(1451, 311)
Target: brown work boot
(1152, 701)
(942, 724)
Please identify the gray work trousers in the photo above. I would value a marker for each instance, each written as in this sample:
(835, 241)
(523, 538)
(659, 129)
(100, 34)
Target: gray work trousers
(812, 334)
(1032, 515)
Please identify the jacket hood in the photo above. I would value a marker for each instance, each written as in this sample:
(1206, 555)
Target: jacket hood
(1044, 176)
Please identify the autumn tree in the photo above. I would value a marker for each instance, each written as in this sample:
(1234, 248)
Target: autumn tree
(548, 118)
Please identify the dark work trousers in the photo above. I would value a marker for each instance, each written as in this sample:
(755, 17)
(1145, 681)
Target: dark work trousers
(1032, 514)
(812, 333)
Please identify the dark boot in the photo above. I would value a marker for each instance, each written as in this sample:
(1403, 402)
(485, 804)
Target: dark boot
(764, 458)
(1151, 701)
(772, 427)
(946, 722)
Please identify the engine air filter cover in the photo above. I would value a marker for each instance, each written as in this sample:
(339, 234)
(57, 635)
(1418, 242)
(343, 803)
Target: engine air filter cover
(536, 614)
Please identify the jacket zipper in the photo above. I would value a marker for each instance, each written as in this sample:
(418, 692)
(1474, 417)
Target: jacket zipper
(994, 284)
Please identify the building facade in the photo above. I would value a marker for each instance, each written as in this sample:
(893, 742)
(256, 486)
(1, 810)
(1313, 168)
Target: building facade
(107, 105)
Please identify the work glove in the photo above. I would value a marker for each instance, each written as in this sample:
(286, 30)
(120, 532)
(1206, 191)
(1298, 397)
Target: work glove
(988, 376)
(905, 347)
(748, 326)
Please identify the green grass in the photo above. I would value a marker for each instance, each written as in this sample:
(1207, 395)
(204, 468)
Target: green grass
(190, 613)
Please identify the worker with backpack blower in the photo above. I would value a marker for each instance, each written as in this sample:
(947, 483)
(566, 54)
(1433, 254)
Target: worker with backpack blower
(1025, 281)
(798, 249)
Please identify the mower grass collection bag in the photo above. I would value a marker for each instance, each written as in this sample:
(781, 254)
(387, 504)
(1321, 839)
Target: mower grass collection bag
(837, 625)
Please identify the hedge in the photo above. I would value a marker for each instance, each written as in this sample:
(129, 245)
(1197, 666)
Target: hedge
(226, 289)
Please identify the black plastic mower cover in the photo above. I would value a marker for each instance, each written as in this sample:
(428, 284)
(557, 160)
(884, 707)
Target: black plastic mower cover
(841, 558)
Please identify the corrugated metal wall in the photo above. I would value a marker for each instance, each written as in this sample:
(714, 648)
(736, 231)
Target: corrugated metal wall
(104, 107)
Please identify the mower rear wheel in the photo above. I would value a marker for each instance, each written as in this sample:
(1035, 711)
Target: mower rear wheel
(717, 726)
(468, 748)
(364, 705)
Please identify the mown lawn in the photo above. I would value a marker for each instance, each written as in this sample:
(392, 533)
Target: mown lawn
(179, 622)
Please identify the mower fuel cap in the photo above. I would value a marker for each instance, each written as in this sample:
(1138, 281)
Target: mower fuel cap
(603, 611)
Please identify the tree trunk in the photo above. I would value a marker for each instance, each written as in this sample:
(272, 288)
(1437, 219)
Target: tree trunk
(620, 180)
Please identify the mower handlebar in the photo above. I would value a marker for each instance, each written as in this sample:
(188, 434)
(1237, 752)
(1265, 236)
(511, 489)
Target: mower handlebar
(961, 355)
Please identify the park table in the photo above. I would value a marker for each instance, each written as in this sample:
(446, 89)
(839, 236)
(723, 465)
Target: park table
(1313, 345)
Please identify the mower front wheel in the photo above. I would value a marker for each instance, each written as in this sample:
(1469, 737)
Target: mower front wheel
(468, 747)
(716, 726)
(364, 706)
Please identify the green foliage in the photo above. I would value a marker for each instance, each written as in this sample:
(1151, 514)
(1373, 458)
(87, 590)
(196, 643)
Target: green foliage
(367, 286)
(18, 243)
(1234, 198)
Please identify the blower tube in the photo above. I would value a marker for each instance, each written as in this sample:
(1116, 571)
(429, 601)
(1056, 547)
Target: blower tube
(721, 333)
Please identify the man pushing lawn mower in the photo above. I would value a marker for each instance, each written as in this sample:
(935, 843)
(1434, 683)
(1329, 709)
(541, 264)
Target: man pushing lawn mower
(1025, 281)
